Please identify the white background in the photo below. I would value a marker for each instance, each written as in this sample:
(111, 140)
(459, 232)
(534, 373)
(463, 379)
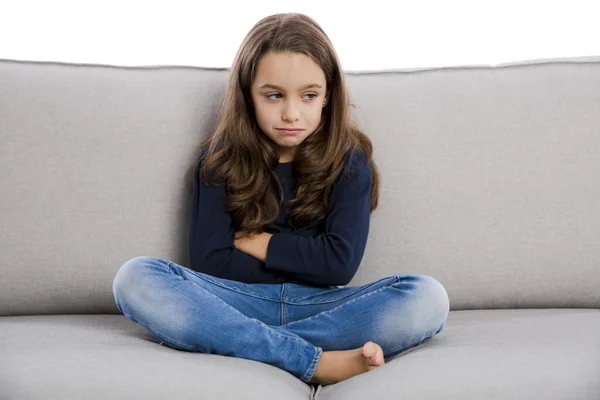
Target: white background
(370, 35)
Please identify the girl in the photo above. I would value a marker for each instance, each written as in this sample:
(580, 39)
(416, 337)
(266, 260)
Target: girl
(283, 192)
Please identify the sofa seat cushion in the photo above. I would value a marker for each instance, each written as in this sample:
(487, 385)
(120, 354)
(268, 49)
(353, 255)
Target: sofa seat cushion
(504, 354)
(101, 357)
(492, 354)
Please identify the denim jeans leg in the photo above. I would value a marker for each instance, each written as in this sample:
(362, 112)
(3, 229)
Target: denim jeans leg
(397, 312)
(177, 306)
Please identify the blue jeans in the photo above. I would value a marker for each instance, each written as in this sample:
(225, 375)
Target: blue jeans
(285, 325)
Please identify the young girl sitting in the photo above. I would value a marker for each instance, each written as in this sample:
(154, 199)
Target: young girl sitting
(283, 192)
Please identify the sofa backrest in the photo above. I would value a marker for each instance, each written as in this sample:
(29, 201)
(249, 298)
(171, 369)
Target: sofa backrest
(490, 178)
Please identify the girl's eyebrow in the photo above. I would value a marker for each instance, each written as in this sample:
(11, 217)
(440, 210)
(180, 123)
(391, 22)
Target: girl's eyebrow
(310, 85)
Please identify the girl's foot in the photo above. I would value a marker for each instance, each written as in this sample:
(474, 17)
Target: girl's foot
(336, 366)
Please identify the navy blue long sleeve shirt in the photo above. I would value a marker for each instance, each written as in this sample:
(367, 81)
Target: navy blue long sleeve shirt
(323, 254)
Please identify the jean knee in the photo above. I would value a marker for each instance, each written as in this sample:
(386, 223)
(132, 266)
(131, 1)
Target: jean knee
(436, 297)
(430, 304)
(127, 276)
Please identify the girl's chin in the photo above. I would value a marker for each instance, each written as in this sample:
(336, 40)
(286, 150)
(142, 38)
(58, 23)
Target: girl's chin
(289, 141)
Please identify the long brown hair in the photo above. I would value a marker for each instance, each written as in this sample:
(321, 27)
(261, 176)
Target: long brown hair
(239, 153)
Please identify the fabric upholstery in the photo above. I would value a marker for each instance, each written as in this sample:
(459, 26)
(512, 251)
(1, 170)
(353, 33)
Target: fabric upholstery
(481, 354)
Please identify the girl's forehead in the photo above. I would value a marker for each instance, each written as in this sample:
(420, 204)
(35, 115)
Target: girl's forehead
(291, 71)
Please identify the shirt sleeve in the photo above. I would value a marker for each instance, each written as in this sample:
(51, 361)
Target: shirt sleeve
(212, 249)
(332, 258)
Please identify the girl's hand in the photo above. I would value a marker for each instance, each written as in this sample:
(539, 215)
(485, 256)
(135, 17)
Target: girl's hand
(255, 245)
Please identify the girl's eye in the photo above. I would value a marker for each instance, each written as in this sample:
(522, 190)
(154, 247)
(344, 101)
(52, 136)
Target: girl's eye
(270, 96)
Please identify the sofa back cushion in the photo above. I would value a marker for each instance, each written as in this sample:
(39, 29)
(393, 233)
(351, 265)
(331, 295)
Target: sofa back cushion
(489, 178)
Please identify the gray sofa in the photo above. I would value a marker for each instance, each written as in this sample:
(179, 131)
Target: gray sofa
(490, 184)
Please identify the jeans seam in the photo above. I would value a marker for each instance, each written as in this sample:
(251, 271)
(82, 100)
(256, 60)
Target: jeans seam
(282, 305)
(313, 365)
(346, 295)
(338, 307)
(225, 286)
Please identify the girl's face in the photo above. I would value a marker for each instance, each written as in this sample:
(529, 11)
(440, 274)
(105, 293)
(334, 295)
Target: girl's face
(288, 92)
